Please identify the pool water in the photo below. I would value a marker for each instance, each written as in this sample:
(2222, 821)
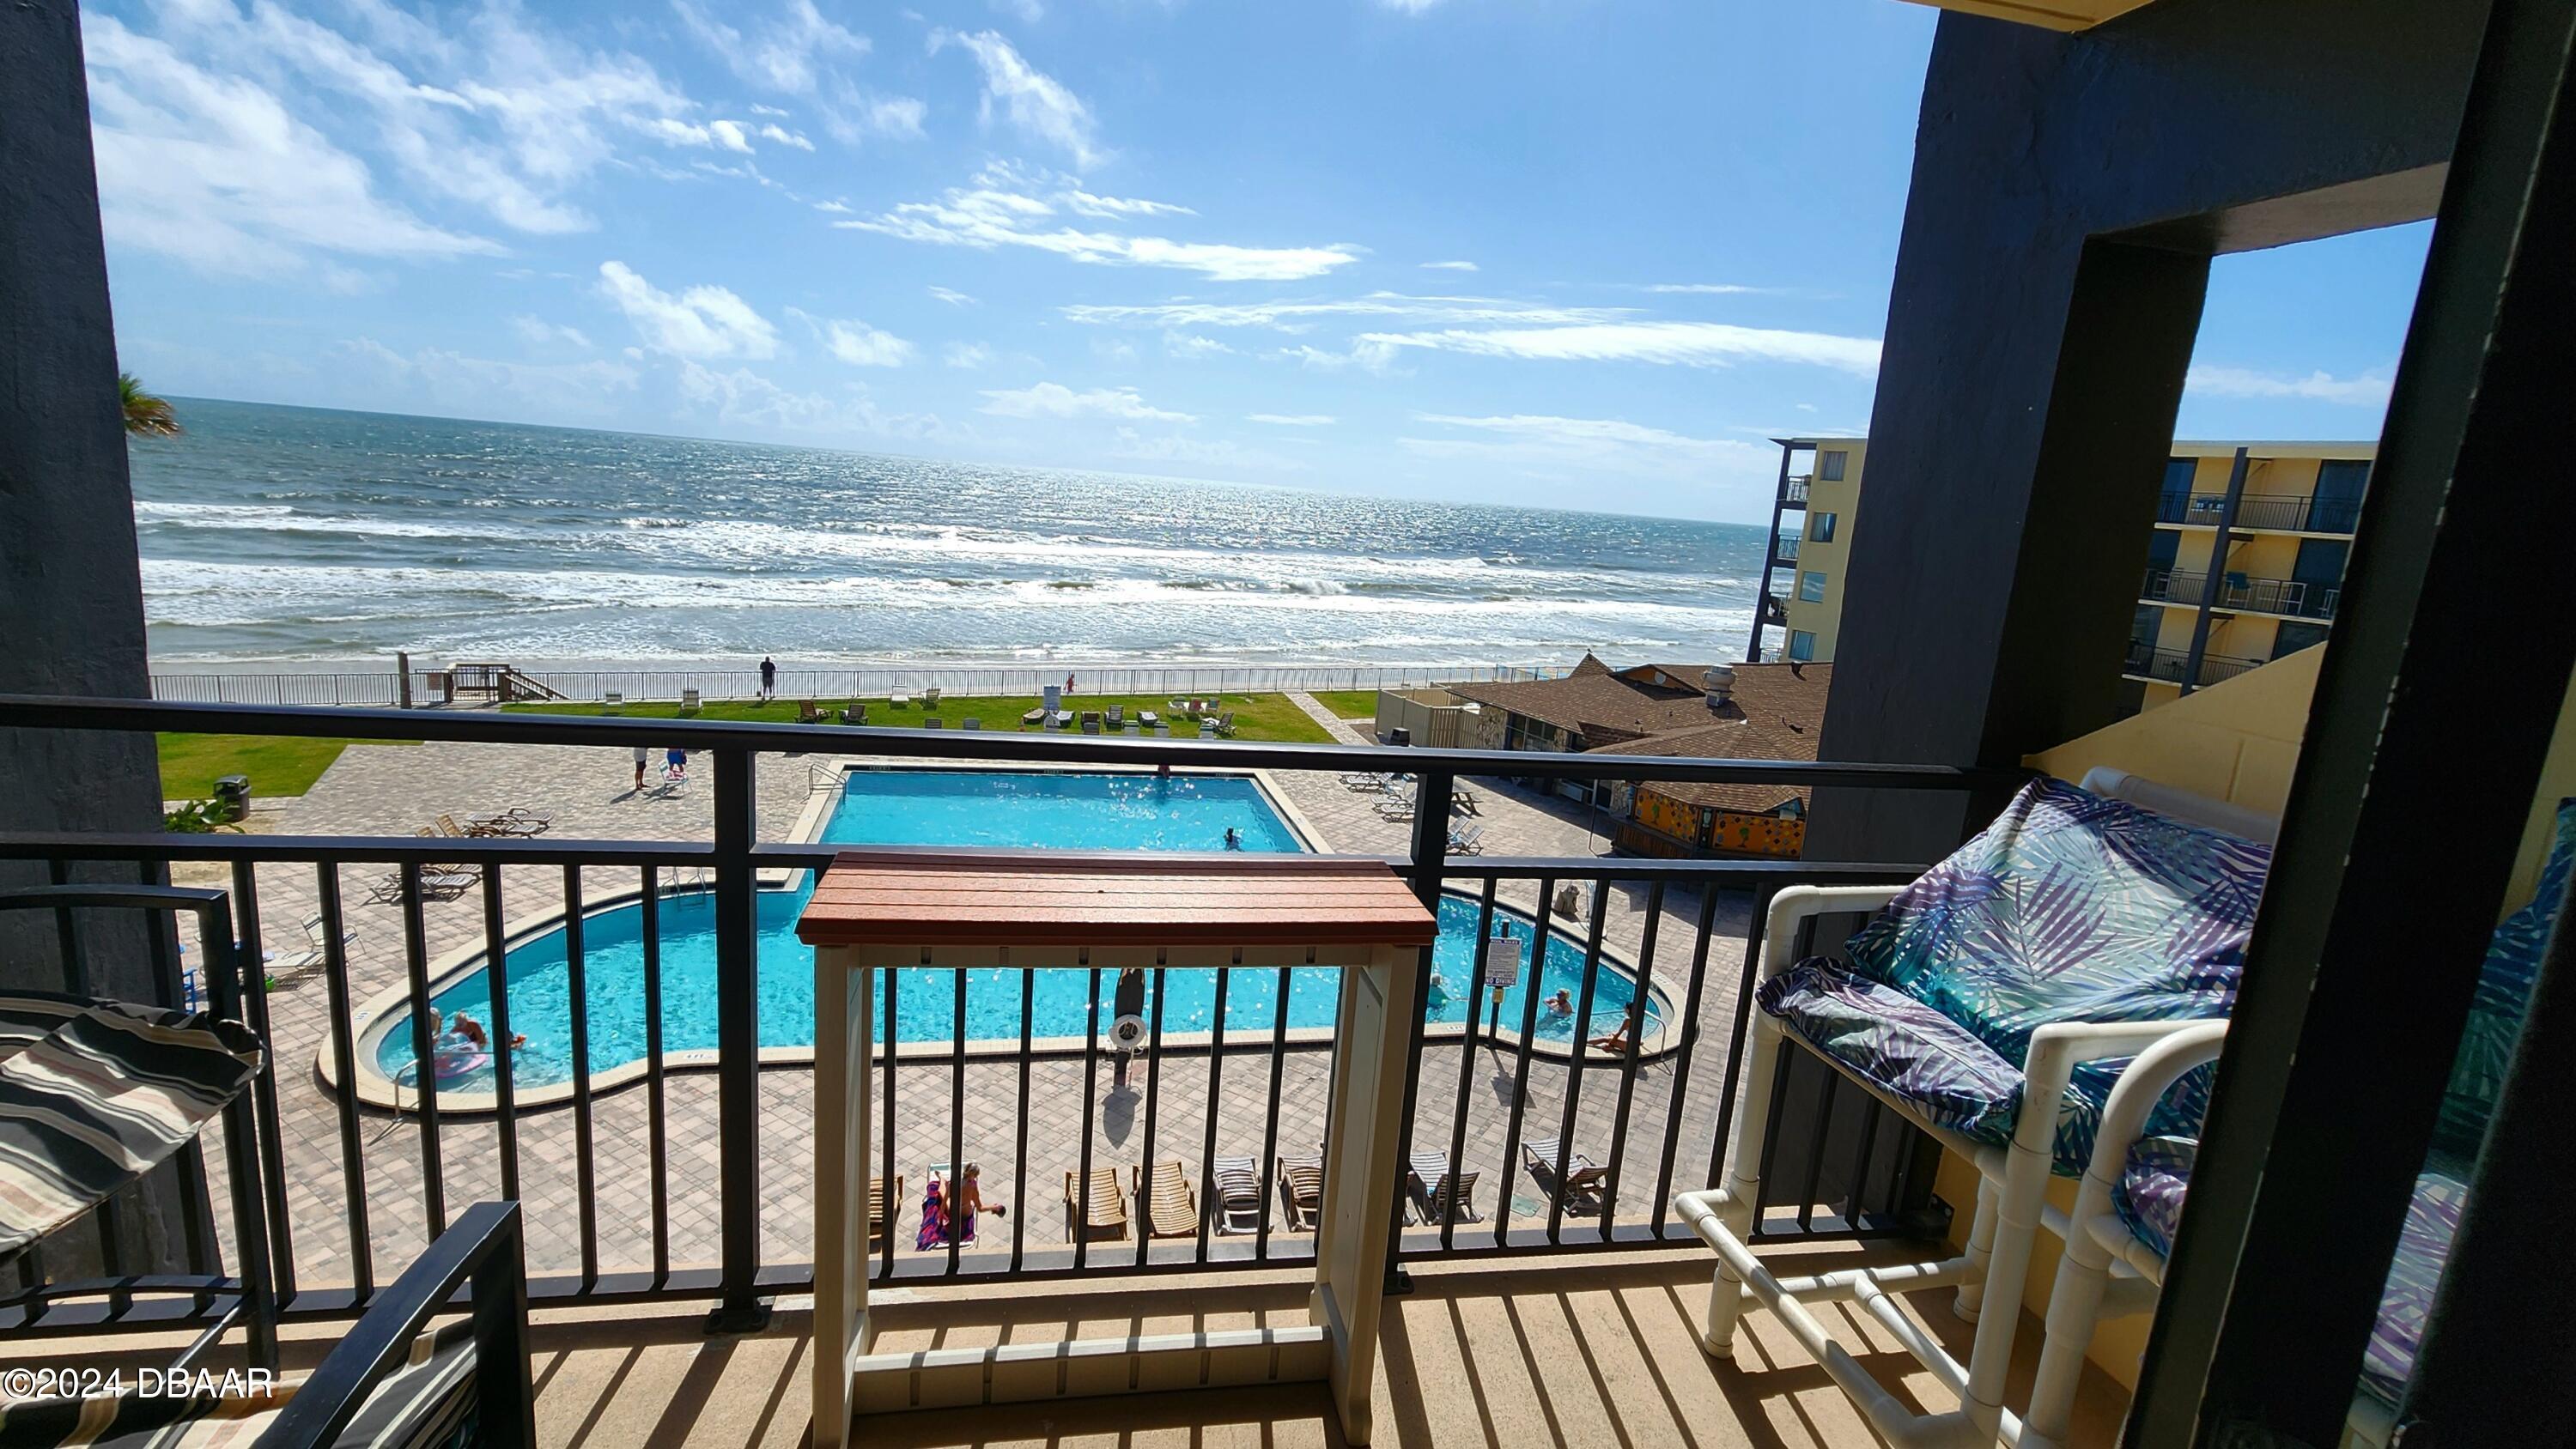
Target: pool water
(887, 807)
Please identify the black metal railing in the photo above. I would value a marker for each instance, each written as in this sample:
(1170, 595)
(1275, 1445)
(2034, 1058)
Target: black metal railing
(1784, 549)
(2244, 593)
(1858, 1171)
(2292, 512)
(2173, 665)
(1794, 492)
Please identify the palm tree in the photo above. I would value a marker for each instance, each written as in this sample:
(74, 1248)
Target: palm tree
(145, 414)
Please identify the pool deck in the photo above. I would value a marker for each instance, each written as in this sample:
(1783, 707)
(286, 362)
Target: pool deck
(393, 790)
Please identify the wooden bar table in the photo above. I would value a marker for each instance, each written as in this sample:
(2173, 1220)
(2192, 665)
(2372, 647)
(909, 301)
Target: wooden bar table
(881, 910)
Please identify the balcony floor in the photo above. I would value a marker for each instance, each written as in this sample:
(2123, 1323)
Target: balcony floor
(1598, 1352)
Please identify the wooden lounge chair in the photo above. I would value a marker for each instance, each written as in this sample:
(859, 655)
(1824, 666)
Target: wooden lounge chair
(878, 1218)
(1239, 1208)
(1103, 1215)
(1169, 1204)
(806, 713)
(518, 822)
(1301, 1191)
(1583, 1176)
(1225, 723)
(448, 827)
(856, 714)
(1435, 1189)
(1033, 718)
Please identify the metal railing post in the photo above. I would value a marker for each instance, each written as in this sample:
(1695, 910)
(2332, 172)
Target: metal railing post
(737, 827)
(1431, 802)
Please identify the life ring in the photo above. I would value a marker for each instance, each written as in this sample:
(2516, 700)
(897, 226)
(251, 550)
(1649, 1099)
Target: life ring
(1127, 1033)
(451, 1064)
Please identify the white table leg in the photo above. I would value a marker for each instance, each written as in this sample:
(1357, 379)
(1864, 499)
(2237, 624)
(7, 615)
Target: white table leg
(1360, 1173)
(844, 1055)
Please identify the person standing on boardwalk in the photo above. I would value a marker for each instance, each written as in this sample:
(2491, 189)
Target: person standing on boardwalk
(768, 678)
(643, 757)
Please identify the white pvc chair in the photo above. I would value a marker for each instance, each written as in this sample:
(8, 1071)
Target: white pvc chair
(2013, 1181)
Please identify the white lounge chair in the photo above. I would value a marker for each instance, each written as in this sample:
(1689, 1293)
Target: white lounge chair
(612, 702)
(1395, 809)
(1466, 842)
(688, 701)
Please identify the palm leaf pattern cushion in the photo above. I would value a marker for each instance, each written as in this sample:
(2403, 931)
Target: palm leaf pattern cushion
(2068, 908)
(2503, 995)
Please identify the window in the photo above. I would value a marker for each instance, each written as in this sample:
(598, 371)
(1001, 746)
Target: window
(1811, 587)
(2336, 508)
(1802, 644)
(1820, 526)
(2176, 495)
(1829, 466)
(2294, 637)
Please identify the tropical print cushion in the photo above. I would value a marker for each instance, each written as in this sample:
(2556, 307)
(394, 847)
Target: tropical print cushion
(2150, 1202)
(2503, 995)
(2070, 908)
(1903, 1045)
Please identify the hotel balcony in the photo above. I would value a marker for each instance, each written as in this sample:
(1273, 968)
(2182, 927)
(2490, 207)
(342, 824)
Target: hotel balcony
(2243, 594)
(2173, 666)
(1793, 494)
(2262, 512)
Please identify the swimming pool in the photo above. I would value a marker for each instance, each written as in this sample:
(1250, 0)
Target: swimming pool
(1087, 810)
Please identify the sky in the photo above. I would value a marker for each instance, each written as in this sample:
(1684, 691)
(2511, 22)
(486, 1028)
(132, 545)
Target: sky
(1567, 253)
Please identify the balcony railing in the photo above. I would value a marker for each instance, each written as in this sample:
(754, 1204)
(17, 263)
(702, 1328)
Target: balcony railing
(2244, 593)
(2292, 512)
(671, 1179)
(1795, 493)
(1784, 549)
(2171, 665)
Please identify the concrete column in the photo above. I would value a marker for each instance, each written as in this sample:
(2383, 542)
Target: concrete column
(71, 603)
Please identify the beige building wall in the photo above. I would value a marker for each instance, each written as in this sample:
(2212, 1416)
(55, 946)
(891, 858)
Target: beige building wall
(1824, 550)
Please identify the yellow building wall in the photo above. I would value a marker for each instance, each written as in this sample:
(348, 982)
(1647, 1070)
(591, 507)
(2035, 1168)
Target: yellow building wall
(2236, 741)
(1840, 497)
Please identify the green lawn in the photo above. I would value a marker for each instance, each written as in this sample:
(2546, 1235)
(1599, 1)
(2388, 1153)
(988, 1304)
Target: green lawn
(1256, 716)
(1349, 703)
(190, 764)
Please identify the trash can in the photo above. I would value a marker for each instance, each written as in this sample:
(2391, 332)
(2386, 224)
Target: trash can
(1399, 736)
(232, 793)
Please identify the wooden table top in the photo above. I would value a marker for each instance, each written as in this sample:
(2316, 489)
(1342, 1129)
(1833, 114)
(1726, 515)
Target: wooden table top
(902, 898)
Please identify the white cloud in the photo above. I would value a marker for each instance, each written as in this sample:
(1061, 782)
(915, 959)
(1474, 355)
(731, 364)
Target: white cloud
(836, 208)
(2368, 390)
(1187, 345)
(483, 387)
(952, 297)
(783, 136)
(1036, 103)
(1543, 443)
(730, 135)
(1292, 420)
(758, 109)
(1408, 7)
(1709, 289)
(855, 342)
(216, 171)
(856, 115)
(1296, 317)
(1002, 208)
(1055, 400)
(785, 53)
(1196, 452)
(701, 322)
(1449, 266)
(1119, 206)
(1027, 12)
(744, 399)
(969, 355)
(540, 332)
(1693, 344)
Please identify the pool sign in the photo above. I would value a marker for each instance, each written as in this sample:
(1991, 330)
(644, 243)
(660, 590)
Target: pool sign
(1503, 962)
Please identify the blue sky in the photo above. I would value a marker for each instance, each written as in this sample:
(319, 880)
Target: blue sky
(1557, 252)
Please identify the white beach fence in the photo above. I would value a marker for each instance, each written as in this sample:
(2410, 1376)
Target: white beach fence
(319, 687)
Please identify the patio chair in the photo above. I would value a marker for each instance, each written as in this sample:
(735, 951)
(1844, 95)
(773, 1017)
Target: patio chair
(689, 701)
(2075, 932)
(970, 722)
(1569, 1177)
(1225, 723)
(2131, 1201)
(1438, 1193)
(879, 1220)
(1207, 728)
(1033, 718)
(437, 883)
(1134, 729)
(1169, 1204)
(612, 702)
(1463, 801)
(898, 700)
(942, 1175)
(1163, 731)
(517, 822)
(855, 714)
(1468, 841)
(933, 722)
(1239, 1208)
(1399, 808)
(1115, 715)
(1364, 782)
(1094, 1206)
(316, 949)
(806, 713)
(1090, 724)
(1301, 1191)
(930, 697)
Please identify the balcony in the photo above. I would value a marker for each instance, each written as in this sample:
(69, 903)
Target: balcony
(1793, 494)
(2274, 512)
(1784, 549)
(2243, 594)
(2171, 666)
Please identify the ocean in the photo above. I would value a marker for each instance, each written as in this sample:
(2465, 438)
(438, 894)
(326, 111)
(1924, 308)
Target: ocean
(285, 537)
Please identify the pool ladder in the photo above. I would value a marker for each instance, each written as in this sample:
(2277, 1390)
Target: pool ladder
(691, 879)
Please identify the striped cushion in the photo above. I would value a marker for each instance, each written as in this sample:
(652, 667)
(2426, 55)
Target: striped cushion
(111, 1091)
(428, 1403)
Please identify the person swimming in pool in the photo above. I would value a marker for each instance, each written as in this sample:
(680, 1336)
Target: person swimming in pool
(472, 1030)
(1437, 993)
(1233, 838)
(1561, 1004)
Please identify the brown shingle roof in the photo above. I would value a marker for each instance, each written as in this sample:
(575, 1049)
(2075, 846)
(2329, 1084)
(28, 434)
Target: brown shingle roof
(1604, 708)
(1735, 740)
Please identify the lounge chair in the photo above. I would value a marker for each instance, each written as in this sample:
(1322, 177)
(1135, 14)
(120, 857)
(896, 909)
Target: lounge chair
(1951, 1009)
(806, 713)
(1135, 728)
(970, 723)
(448, 827)
(1365, 782)
(898, 700)
(1583, 1176)
(1169, 1204)
(1239, 1208)
(1399, 808)
(1468, 841)
(437, 883)
(1225, 723)
(1147, 717)
(1163, 731)
(855, 714)
(930, 697)
(1090, 725)
(1115, 716)
(1463, 801)
(933, 722)
(688, 701)
(317, 947)
(1176, 706)
(1099, 1212)
(1301, 1191)
(879, 1220)
(518, 822)
(941, 1177)
(1033, 718)
(612, 702)
(1207, 729)
(1436, 1190)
